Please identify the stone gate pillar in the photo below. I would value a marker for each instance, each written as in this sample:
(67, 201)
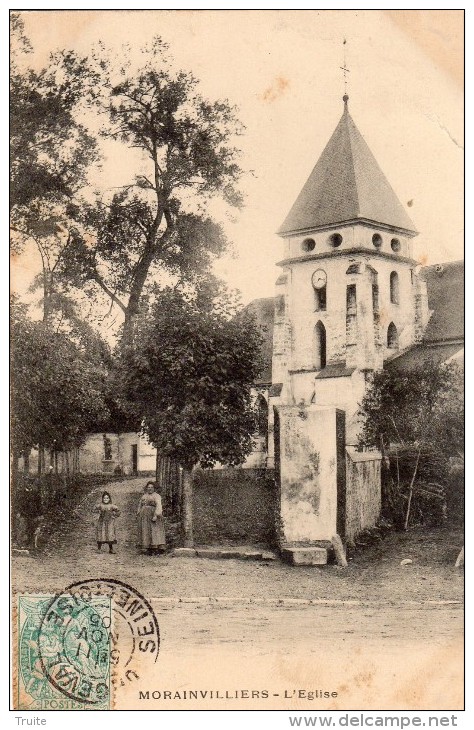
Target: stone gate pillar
(312, 480)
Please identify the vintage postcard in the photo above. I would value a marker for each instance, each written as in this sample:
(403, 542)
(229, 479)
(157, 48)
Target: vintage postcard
(237, 337)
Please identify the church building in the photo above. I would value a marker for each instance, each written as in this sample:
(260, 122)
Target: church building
(350, 299)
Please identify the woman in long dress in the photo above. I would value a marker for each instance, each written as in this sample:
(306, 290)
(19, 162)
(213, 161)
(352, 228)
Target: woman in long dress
(107, 513)
(151, 528)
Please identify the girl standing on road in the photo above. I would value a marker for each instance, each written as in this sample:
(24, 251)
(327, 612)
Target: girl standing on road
(151, 528)
(107, 514)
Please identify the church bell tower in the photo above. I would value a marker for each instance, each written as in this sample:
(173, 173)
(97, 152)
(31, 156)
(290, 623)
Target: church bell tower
(349, 296)
(348, 299)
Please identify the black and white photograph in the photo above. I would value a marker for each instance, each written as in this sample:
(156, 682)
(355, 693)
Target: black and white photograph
(237, 360)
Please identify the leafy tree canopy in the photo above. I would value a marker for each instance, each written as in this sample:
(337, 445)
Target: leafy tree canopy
(422, 407)
(57, 390)
(50, 150)
(189, 375)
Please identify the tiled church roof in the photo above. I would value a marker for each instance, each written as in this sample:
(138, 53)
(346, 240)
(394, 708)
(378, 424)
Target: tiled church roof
(346, 184)
(417, 355)
(445, 283)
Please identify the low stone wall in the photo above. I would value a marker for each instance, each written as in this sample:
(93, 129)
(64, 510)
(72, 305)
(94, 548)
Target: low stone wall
(234, 507)
(363, 492)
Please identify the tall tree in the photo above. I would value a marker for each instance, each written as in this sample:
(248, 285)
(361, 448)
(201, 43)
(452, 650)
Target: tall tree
(158, 224)
(189, 376)
(51, 152)
(58, 385)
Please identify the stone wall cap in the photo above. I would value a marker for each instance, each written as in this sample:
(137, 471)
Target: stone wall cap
(335, 371)
(364, 455)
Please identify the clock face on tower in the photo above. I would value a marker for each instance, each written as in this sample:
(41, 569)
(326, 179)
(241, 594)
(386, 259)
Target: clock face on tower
(319, 279)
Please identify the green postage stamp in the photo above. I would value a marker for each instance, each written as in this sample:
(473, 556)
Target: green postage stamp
(63, 648)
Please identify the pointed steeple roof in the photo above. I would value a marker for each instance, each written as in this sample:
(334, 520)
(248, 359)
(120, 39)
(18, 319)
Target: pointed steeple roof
(346, 184)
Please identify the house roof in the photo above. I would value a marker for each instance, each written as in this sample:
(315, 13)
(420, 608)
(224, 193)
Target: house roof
(263, 311)
(445, 284)
(346, 184)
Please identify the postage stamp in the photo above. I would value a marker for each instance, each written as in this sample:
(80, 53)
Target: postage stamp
(73, 649)
(63, 652)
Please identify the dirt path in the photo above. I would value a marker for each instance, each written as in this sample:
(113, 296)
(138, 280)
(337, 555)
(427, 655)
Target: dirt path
(82, 540)
(375, 574)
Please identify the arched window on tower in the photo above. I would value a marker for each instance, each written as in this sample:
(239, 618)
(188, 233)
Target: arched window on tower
(320, 346)
(394, 288)
(320, 299)
(392, 337)
(375, 303)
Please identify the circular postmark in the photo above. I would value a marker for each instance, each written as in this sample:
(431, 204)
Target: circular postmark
(97, 635)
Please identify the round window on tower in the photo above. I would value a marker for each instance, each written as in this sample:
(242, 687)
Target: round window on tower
(377, 240)
(395, 244)
(308, 245)
(335, 239)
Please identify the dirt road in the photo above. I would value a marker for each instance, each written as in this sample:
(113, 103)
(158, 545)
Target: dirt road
(376, 632)
(371, 657)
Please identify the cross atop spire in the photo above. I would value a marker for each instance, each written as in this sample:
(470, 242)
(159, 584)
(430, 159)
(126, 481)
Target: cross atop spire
(345, 71)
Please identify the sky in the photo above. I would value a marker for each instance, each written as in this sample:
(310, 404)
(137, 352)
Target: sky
(283, 71)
